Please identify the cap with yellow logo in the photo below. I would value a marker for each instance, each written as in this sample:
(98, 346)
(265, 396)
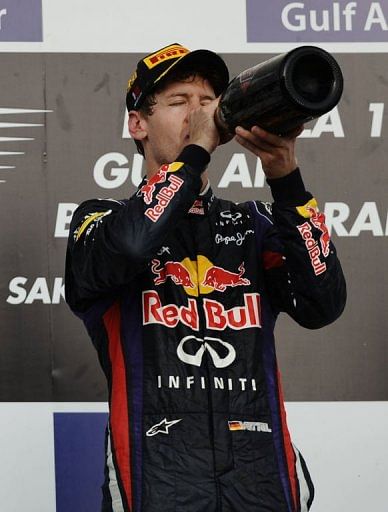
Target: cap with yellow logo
(157, 65)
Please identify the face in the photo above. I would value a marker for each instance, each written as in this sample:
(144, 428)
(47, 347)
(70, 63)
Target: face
(167, 129)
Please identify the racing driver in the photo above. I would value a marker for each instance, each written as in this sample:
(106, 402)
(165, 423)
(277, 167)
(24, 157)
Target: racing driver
(180, 290)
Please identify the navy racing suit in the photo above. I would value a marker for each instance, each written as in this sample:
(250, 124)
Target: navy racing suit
(179, 293)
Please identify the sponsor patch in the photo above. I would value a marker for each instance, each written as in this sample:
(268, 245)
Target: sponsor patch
(148, 189)
(217, 317)
(162, 427)
(174, 270)
(197, 207)
(219, 278)
(132, 79)
(200, 276)
(230, 218)
(89, 222)
(164, 197)
(318, 220)
(253, 426)
(237, 238)
(221, 353)
(305, 210)
(200, 382)
(163, 250)
(313, 248)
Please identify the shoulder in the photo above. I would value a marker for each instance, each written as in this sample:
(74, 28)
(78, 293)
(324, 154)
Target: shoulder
(91, 206)
(93, 211)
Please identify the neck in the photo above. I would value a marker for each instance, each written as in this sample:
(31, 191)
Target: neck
(205, 181)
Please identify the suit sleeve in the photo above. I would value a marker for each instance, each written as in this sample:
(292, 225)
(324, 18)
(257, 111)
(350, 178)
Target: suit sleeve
(110, 242)
(303, 274)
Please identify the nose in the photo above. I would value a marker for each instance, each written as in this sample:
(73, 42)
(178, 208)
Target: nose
(194, 103)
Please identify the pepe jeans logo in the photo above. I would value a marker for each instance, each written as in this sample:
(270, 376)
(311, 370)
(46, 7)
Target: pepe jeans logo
(318, 21)
(21, 20)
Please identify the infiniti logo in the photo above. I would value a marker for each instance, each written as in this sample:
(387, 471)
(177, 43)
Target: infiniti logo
(228, 353)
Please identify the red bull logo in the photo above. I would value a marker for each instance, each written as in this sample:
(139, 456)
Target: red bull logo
(219, 278)
(165, 194)
(317, 219)
(217, 317)
(149, 188)
(312, 247)
(199, 277)
(173, 269)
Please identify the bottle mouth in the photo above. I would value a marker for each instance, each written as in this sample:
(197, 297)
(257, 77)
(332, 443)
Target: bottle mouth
(313, 79)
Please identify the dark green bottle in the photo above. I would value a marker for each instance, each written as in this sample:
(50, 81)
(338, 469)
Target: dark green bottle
(282, 93)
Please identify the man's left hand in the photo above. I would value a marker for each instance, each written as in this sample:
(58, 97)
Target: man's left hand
(277, 154)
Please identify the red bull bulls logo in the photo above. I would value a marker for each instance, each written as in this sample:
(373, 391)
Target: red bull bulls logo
(164, 194)
(316, 250)
(199, 277)
(219, 278)
(173, 269)
(149, 188)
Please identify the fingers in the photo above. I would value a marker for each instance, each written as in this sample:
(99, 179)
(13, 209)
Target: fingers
(270, 138)
(258, 139)
(202, 128)
(277, 154)
(295, 132)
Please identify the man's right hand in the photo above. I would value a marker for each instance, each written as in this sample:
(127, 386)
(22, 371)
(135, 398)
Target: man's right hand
(202, 127)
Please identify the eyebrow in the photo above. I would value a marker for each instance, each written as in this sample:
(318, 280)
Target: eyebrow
(186, 95)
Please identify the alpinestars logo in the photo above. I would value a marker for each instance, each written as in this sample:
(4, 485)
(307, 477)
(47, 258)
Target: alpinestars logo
(7, 156)
(161, 428)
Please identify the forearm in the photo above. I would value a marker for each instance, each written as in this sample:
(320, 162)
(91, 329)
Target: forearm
(309, 285)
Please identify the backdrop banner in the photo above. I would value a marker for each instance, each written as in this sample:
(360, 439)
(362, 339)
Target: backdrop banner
(63, 139)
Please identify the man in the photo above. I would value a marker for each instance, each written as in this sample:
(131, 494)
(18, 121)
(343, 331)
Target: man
(180, 290)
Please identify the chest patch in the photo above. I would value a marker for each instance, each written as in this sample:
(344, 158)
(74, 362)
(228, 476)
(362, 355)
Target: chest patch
(199, 277)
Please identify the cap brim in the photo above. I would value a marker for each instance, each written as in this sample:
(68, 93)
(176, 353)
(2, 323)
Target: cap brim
(204, 58)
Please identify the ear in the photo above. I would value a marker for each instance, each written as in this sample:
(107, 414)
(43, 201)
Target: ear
(137, 125)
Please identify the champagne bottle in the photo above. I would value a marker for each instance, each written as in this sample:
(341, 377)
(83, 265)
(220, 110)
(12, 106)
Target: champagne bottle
(281, 93)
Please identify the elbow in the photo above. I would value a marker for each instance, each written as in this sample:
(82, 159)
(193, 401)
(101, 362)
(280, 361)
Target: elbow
(324, 311)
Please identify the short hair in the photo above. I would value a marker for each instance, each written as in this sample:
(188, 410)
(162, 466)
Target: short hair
(181, 74)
